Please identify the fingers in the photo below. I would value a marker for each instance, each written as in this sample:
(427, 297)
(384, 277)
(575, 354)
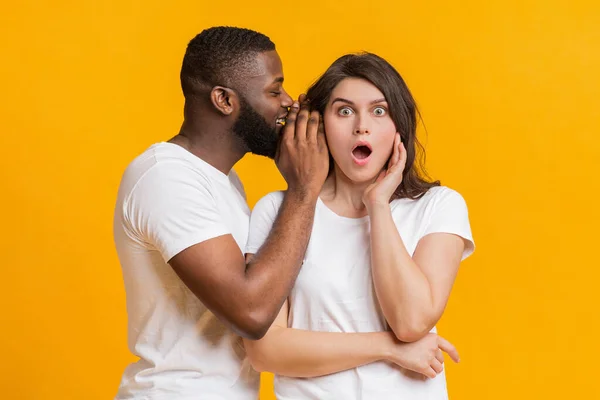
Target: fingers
(321, 139)
(396, 152)
(395, 157)
(314, 122)
(402, 154)
(398, 159)
(302, 120)
(437, 366)
(448, 348)
(439, 355)
(430, 373)
(290, 121)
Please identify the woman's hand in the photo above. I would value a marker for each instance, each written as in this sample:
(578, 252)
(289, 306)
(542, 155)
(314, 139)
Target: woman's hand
(423, 356)
(380, 191)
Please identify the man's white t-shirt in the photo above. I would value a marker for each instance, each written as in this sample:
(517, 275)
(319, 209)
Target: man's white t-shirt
(169, 200)
(334, 290)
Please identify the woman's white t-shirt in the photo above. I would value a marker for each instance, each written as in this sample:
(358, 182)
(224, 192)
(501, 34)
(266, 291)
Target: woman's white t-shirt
(334, 290)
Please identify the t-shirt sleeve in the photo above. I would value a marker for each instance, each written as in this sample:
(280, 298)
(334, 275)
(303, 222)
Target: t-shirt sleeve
(172, 208)
(236, 181)
(262, 219)
(450, 215)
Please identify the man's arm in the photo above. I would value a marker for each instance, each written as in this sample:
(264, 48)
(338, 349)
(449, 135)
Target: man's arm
(248, 297)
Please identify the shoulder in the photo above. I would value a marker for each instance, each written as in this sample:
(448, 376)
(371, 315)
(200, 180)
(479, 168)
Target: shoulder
(262, 220)
(235, 180)
(436, 198)
(443, 194)
(433, 195)
(271, 201)
(447, 199)
(168, 164)
(164, 175)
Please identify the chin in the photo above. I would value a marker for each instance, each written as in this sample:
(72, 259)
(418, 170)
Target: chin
(361, 176)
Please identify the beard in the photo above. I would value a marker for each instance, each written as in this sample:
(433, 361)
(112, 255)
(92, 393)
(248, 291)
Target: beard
(254, 131)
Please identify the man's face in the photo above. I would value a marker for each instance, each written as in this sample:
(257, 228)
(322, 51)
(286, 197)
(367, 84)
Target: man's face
(263, 106)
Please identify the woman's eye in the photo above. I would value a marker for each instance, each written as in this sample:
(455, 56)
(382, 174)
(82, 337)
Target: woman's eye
(345, 111)
(379, 111)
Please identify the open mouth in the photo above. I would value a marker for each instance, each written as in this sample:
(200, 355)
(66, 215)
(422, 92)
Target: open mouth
(361, 153)
(281, 120)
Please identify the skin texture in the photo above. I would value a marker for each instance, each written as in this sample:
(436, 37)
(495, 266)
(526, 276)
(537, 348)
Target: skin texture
(356, 114)
(247, 297)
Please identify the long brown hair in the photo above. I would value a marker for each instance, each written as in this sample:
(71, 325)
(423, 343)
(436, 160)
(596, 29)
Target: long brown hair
(402, 107)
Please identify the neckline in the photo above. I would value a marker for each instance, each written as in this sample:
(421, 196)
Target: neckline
(214, 172)
(340, 218)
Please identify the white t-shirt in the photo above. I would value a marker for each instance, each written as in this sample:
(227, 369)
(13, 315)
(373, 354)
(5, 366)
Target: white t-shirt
(334, 290)
(169, 200)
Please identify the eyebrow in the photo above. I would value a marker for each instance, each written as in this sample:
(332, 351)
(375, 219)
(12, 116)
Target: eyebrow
(278, 80)
(351, 103)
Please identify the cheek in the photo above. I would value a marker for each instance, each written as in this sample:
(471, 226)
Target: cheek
(275, 106)
(269, 106)
(384, 141)
(336, 134)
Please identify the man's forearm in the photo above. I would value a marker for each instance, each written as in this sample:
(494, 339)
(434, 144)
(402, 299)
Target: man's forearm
(273, 270)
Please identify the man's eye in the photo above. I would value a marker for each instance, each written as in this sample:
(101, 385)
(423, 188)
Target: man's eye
(276, 93)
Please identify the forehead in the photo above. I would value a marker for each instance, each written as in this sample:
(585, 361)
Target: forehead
(356, 90)
(265, 69)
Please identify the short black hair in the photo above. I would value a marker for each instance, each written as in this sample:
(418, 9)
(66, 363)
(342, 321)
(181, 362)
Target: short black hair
(217, 57)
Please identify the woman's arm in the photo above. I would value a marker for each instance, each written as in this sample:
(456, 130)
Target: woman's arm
(301, 353)
(412, 291)
(306, 354)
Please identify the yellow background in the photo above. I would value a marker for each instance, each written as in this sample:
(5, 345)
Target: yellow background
(509, 93)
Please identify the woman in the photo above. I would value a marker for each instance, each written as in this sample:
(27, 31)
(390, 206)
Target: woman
(384, 252)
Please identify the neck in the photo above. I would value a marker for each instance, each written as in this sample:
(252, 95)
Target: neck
(212, 142)
(344, 196)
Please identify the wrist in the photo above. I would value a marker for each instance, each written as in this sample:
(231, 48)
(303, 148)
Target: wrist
(384, 345)
(301, 196)
(377, 206)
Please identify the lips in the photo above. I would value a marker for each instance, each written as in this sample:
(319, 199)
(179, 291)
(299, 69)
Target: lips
(281, 120)
(361, 152)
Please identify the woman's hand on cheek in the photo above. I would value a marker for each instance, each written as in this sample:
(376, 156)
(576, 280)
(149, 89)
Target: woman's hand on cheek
(380, 191)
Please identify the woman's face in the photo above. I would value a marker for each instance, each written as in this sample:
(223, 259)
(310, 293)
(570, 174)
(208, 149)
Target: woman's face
(360, 132)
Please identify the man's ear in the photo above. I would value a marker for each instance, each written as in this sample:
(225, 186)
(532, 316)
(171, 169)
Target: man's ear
(225, 100)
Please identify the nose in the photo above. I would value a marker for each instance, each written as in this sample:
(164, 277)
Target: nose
(361, 128)
(286, 100)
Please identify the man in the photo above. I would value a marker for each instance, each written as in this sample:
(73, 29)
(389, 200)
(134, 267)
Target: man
(181, 223)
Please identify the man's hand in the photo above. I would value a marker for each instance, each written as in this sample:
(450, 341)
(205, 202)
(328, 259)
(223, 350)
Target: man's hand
(303, 157)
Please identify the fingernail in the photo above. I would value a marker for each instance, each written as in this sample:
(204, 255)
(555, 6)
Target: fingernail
(296, 105)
